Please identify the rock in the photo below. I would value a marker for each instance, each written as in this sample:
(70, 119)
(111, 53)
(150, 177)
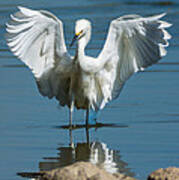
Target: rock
(170, 173)
(82, 171)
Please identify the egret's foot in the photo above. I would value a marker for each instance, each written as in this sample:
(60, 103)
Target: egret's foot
(92, 117)
(92, 122)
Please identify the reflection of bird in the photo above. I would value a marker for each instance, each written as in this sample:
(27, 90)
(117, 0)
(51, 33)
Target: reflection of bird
(96, 152)
(132, 44)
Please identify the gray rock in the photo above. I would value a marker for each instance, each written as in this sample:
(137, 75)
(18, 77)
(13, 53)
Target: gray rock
(82, 171)
(170, 173)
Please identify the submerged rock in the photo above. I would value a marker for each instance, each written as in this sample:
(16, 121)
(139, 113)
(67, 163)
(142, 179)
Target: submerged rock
(82, 171)
(171, 173)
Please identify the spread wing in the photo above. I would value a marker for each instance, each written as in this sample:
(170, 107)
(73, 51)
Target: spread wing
(133, 43)
(36, 38)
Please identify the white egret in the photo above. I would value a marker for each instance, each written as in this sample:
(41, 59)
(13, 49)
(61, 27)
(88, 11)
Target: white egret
(133, 43)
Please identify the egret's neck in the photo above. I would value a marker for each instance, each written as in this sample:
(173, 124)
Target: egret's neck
(81, 48)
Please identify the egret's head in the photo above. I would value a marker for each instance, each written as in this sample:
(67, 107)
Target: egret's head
(82, 30)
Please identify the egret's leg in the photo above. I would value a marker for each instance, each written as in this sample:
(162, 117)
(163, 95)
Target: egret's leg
(87, 117)
(71, 138)
(87, 135)
(71, 112)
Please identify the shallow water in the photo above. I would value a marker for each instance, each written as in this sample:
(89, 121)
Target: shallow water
(147, 111)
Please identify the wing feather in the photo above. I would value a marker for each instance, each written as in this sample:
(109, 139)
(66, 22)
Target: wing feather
(36, 37)
(133, 43)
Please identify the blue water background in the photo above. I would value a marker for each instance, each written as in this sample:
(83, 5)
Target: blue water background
(148, 108)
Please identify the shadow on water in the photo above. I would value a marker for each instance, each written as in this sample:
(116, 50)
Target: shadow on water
(96, 126)
(96, 152)
(153, 3)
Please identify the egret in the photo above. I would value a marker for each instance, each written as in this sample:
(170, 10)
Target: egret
(82, 82)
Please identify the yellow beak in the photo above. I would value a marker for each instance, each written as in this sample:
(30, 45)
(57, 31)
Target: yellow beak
(75, 38)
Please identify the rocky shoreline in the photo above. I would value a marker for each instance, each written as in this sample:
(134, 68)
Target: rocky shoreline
(88, 171)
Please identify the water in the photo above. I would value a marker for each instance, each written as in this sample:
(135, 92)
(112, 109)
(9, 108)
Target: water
(147, 111)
